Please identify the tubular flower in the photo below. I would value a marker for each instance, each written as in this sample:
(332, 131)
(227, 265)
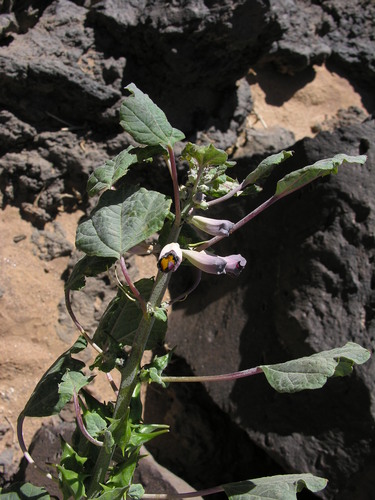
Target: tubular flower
(206, 262)
(215, 227)
(170, 258)
(235, 264)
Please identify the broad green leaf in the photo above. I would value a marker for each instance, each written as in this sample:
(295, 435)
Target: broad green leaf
(283, 487)
(122, 317)
(311, 372)
(266, 166)
(72, 381)
(204, 155)
(122, 220)
(145, 121)
(88, 266)
(70, 459)
(46, 399)
(299, 178)
(22, 491)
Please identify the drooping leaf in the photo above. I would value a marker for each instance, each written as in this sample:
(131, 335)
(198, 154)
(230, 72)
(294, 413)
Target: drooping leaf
(88, 266)
(145, 121)
(266, 166)
(299, 178)
(46, 399)
(283, 487)
(23, 491)
(312, 372)
(122, 220)
(122, 317)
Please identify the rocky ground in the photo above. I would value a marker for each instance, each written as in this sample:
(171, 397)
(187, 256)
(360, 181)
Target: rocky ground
(253, 77)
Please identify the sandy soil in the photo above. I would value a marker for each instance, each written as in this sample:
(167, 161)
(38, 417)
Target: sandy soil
(30, 288)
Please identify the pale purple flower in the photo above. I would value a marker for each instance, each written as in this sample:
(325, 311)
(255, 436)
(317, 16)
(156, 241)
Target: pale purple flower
(235, 264)
(170, 258)
(206, 262)
(215, 227)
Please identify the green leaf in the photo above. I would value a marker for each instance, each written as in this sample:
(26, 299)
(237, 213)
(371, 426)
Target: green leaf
(106, 176)
(113, 493)
(283, 487)
(136, 492)
(120, 430)
(153, 372)
(22, 491)
(122, 474)
(46, 399)
(145, 121)
(72, 381)
(72, 474)
(141, 433)
(204, 155)
(88, 266)
(312, 372)
(122, 317)
(299, 178)
(265, 167)
(94, 423)
(122, 219)
(72, 483)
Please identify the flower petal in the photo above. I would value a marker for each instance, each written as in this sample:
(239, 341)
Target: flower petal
(170, 258)
(215, 227)
(206, 262)
(235, 264)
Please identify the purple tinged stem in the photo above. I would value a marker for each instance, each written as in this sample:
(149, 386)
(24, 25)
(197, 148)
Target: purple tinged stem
(216, 378)
(241, 222)
(190, 494)
(131, 285)
(80, 423)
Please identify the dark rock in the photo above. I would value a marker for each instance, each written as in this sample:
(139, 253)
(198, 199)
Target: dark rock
(308, 286)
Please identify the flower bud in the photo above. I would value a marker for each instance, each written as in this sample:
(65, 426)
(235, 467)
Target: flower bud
(170, 258)
(206, 262)
(215, 227)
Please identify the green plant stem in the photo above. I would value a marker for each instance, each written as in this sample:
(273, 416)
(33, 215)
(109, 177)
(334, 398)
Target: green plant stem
(176, 188)
(190, 494)
(129, 379)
